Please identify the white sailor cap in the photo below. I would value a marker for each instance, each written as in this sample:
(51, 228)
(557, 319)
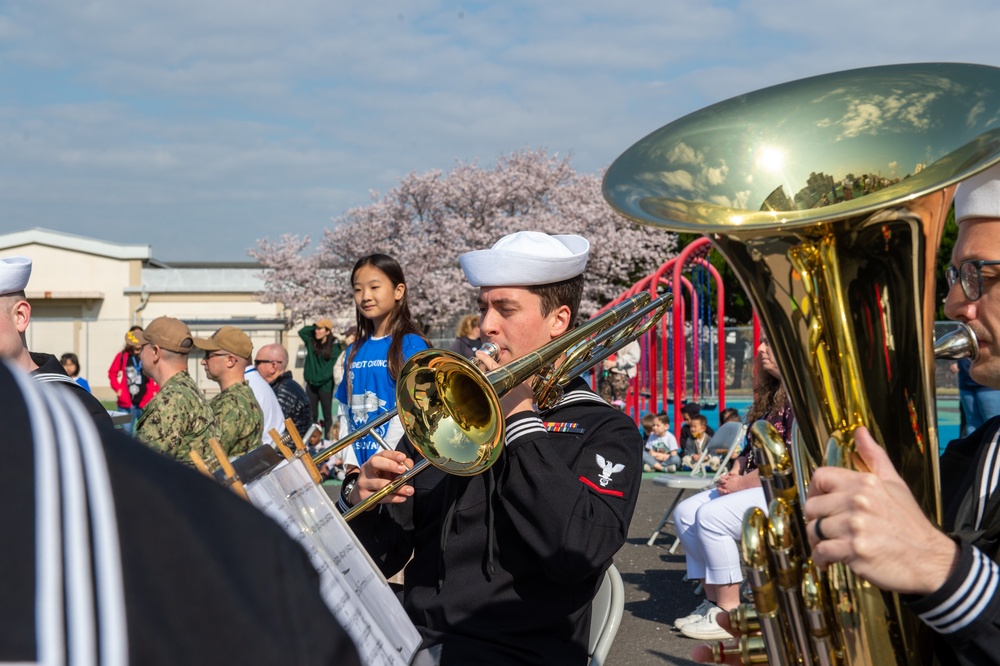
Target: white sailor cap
(979, 196)
(14, 274)
(527, 259)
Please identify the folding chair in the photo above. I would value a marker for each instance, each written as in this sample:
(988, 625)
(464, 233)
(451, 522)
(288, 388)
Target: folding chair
(684, 482)
(606, 615)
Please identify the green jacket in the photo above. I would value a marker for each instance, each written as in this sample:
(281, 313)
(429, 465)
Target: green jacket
(318, 372)
(240, 419)
(178, 420)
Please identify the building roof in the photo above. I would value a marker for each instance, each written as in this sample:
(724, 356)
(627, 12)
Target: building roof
(60, 239)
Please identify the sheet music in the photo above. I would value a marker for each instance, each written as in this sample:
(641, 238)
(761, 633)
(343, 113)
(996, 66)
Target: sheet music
(351, 584)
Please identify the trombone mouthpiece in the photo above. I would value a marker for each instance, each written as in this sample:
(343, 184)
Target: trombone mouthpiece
(491, 349)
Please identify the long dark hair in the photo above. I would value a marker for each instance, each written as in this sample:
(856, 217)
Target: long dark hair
(324, 349)
(769, 395)
(400, 321)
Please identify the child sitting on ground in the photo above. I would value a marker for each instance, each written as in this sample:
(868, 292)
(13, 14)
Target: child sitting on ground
(662, 453)
(332, 468)
(695, 448)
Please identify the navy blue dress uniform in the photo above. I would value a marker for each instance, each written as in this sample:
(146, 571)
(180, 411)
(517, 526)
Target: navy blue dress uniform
(505, 564)
(115, 554)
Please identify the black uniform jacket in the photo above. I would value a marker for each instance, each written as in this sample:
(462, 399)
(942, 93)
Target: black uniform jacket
(505, 564)
(207, 578)
(965, 612)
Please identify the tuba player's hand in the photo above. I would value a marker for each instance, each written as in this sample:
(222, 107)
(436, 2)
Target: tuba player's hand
(377, 472)
(871, 522)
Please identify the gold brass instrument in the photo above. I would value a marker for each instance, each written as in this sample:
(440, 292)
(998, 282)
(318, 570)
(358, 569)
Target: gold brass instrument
(828, 196)
(450, 409)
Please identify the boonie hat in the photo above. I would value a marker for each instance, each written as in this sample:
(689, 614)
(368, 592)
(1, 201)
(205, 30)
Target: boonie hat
(168, 333)
(228, 339)
(14, 274)
(527, 259)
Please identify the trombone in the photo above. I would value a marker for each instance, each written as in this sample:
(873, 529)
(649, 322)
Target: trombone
(450, 409)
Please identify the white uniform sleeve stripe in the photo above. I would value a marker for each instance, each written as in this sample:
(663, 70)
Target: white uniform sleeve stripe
(968, 602)
(981, 597)
(50, 640)
(989, 480)
(522, 428)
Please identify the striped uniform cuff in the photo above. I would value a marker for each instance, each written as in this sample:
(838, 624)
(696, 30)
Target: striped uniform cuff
(961, 600)
(522, 428)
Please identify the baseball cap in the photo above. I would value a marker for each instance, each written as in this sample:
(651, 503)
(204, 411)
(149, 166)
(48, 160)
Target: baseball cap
(228, 339)
(167, 333)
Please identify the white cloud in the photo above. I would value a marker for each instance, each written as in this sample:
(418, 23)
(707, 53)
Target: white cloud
(232, 120)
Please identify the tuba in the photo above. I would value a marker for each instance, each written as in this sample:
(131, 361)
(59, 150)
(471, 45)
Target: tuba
(828, 197)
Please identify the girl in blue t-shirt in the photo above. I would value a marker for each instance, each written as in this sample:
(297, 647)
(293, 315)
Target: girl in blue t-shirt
(387, 337)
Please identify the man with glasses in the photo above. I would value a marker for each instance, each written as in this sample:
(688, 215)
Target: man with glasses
(872, 523)
(272, 364)
(240, 419)
(274, 417)
(177, 420)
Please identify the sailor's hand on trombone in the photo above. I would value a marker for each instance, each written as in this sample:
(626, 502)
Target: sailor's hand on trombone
(377, 472)
(519, 399)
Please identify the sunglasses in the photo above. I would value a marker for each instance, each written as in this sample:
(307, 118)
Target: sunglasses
(970, 275)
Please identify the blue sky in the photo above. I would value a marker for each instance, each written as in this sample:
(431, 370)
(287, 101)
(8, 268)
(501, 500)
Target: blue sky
(200, 126)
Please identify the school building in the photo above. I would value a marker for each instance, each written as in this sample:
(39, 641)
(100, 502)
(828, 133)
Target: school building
(85, 293)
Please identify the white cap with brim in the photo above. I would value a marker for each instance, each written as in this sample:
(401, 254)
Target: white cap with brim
(527, 259)
(979, 196)
(14, 274)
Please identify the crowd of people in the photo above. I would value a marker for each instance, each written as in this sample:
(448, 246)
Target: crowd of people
(501, 567)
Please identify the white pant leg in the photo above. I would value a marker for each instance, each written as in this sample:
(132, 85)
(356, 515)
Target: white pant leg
(686, 526)
(720, 524)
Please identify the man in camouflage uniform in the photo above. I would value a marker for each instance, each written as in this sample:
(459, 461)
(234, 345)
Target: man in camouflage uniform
(178, 420)
(240, 419)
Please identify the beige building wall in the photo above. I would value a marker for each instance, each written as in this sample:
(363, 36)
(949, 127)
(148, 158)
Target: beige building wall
(86, 293)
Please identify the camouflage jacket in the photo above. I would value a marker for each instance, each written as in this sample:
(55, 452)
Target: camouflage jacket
(240, 419)
(177, 420)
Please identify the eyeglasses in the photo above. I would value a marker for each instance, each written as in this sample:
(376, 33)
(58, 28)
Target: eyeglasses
(214, 354)
(264, 360)
(970, 275)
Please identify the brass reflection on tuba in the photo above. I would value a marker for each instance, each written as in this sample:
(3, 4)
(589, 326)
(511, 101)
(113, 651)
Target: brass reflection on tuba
(828, 197)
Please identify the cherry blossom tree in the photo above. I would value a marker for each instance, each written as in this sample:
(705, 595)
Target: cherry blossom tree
(429, 219)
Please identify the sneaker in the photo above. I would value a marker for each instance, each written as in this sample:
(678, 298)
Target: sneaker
(707, 629)
(647, 468)
(697, 614)
(670, 469)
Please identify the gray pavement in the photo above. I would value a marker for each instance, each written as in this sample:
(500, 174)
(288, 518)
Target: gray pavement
(655, 592)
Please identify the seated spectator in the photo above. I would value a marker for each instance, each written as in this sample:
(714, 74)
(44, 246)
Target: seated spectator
(730, 430)
(662, 453)
(709, 524)
(696, 451)
(332, 468)
(688, 411)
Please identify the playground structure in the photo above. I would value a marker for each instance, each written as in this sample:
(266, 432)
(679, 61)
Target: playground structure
(695, 367)
(663, 376)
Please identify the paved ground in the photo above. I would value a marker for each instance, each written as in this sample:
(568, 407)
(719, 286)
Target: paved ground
(655, 592)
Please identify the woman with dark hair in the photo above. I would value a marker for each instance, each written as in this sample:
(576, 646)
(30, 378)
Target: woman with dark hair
(387, 336)
(134, 389)
(709, 524)
(322, 350)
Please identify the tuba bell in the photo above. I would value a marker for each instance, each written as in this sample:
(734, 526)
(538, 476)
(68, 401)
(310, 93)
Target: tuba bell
(828, 197)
